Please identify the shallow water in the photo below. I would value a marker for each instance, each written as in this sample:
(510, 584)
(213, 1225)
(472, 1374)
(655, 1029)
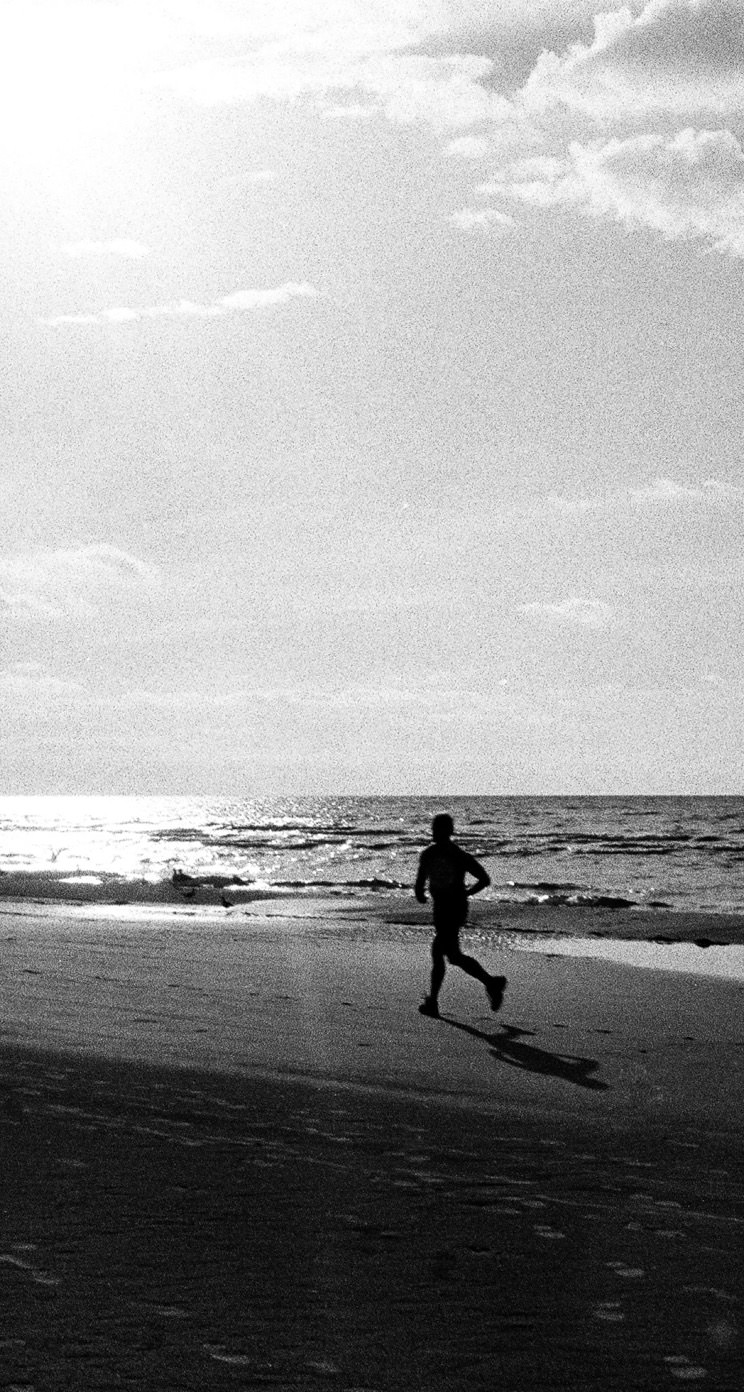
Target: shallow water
(723, 961)
(679, 852)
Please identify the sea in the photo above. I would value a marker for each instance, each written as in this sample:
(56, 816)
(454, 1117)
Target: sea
(661, 853)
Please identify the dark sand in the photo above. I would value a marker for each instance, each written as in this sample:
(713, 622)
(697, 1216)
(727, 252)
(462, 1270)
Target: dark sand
(237, 1157)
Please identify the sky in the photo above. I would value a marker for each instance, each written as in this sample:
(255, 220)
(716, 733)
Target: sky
(371, 396)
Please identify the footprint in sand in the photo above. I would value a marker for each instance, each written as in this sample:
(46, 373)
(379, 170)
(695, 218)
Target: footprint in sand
(42, 1278)
(610, 1311)
(681, 1367)
(8, 1260)
(715, 1291)
(629, 1273)
(220, 1353)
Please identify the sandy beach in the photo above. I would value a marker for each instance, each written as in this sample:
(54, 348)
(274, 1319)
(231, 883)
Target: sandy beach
(234, 1154)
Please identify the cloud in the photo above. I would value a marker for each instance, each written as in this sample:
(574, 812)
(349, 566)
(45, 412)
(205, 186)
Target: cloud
(442, 61)
(577, 506)
(349, 111)
(257, 299)
(29, 684)
(630, 123)
(665, 490)
(657, 492)
(377, 58)
(99, 560)
(131, 251)
(63, 582)
(676, 56)
(434, 698)
(689, 185)
(597, 124)
(470, 218)
(467, 147)
(451, 91)
(20, 602)
(238, 301)
(576, 612)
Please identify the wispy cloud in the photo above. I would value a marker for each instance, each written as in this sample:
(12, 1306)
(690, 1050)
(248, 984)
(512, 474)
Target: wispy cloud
(349, 111)
(574, 611)
(377, 59)
(239, 301)
(56, 583)
(28, 685)
(444, 698)
(657, 492)
(470, 218)
(21, 602)
(130, 251)
(467, 147)
(665, 490)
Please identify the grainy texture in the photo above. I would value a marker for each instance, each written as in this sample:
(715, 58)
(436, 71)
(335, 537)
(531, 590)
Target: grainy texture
(333, 1191)
(175, 1230)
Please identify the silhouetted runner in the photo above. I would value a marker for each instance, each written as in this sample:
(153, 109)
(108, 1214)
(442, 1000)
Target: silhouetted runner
(443, 866)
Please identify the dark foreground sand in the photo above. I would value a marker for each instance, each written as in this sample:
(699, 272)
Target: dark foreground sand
(237, 1157)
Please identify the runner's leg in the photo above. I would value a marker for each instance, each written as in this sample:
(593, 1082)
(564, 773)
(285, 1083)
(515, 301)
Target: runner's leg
(457, 958)
(438, 968)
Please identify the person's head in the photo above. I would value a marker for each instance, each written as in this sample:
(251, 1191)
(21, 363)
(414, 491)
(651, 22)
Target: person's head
(442, 828)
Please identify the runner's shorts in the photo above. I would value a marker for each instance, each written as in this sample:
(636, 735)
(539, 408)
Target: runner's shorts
(450, 913)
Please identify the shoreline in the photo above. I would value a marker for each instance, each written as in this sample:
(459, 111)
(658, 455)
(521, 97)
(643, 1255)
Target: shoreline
(314, 996)
(704, 927)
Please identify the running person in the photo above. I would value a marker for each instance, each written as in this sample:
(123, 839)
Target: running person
(443, 866)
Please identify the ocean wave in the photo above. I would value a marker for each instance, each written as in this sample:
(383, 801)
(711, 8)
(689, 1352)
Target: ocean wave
(557, 885)
(573, 852)
(376, 882)
(576, 897)
(177, 888)
(599, 901)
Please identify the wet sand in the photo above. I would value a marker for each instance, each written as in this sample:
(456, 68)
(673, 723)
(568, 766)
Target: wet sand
(234, 1154)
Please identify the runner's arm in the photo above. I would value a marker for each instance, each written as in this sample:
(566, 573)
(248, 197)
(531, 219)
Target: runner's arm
(481, 876)
(419, 888)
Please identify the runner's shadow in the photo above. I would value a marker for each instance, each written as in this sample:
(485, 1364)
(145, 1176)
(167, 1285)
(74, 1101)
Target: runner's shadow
(506, 1047)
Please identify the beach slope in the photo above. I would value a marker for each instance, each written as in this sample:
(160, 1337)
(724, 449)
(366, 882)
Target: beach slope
(234, 1154)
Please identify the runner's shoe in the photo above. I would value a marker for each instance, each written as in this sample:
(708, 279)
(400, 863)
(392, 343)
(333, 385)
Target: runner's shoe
(495, 989)
(429, 1007)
